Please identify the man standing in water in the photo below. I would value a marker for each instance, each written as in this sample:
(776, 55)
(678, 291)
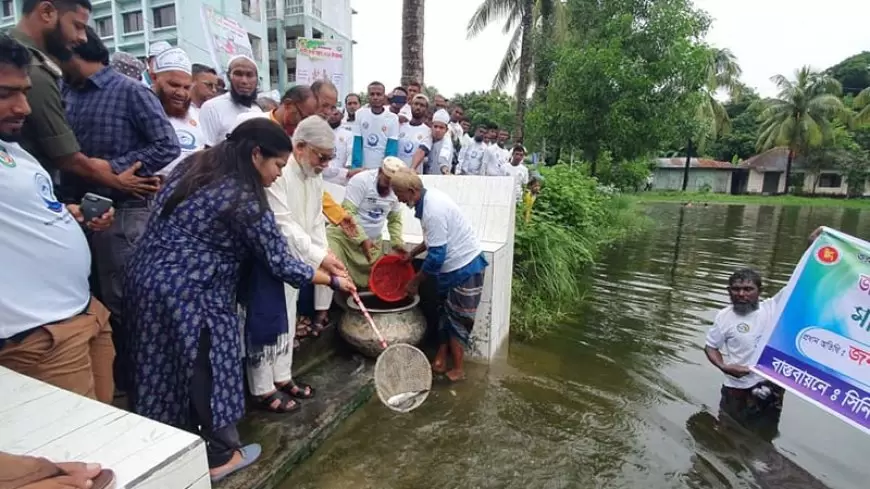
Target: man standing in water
(737, 331)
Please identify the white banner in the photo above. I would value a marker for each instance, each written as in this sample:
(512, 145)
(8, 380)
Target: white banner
(319, 59)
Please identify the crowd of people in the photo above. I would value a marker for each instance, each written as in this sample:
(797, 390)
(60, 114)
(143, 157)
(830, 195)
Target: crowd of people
(220, 249)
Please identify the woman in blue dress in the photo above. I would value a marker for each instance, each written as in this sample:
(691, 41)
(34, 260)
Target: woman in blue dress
(182, 284)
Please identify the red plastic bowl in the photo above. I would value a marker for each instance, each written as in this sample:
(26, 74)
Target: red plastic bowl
(389, 278)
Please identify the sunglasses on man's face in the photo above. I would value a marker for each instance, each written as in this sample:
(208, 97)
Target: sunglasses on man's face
(324, 158)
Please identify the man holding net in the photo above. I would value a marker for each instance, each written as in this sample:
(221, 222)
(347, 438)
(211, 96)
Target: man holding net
(454, 259)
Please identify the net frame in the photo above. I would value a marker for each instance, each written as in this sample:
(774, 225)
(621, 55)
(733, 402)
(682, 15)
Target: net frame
(402, 368)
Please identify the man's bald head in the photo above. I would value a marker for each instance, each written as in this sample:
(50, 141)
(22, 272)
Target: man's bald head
(327, 97)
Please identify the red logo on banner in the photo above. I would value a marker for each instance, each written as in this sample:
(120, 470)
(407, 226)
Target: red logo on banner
(828, 255)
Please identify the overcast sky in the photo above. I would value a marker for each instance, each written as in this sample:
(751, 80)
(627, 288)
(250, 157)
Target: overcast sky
(768, 37)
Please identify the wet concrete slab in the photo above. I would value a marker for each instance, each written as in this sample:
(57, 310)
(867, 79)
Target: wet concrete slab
(342, 382)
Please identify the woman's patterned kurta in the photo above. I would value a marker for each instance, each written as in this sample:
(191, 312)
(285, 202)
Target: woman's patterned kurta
(182, 277)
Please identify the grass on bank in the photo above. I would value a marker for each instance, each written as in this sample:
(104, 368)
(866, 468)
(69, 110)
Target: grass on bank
(711, 198)
(572, 221)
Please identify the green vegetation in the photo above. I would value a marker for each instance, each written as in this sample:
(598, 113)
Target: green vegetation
(709, 198)
(572, 220)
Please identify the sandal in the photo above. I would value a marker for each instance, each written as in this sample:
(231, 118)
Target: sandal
(318, 327)
(286, 405)
(303, 327)
(297, 390)
(250, 454)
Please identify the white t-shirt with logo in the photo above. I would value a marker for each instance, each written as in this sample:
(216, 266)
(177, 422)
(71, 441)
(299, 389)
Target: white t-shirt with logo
(375, 130)
(337, 171)
(444, 224)
(218, 116)
(521, 178)
(190, 138)
(412, 137)
(737, 337)
(45, 260)
(471, 158)
(372, 207)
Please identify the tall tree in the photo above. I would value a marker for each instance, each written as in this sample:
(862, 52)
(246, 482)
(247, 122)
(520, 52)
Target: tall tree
(412, 41)
(623, 82)
(723, 73)
(862, 105)
(524, 18)
(801, 116)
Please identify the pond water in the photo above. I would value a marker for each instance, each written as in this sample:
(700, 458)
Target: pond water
(624, 397)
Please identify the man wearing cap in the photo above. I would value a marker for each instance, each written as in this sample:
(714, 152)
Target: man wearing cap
(172, 83)
(154, 50)
(415, 137)
(439, 161)
(127, 64)
(220, 114)
(372, 203)
(121, 121)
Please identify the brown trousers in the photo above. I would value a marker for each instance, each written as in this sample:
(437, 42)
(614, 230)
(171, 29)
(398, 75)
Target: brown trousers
(75, 354)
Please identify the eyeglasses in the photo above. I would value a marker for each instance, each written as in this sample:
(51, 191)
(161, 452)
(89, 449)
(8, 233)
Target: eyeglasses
(324, 158)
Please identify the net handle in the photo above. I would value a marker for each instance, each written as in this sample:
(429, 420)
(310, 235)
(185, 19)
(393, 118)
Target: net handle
(371, 321)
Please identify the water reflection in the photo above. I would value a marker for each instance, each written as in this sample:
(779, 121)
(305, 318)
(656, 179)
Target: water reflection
(624, 396)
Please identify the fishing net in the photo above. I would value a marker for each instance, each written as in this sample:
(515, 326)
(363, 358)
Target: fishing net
(403, 377)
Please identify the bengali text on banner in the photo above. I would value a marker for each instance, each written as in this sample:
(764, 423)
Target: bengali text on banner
(819, 347)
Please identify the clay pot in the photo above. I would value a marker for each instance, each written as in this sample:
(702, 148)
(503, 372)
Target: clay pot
(399, 322)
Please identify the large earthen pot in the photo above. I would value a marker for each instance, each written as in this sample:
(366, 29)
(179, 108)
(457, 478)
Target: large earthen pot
(399, 322)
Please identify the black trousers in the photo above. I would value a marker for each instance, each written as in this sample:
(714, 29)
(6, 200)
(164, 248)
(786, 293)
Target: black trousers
(220, 444)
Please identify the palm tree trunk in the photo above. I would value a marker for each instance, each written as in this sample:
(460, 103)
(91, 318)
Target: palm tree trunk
(412, 41)
(688, 164)
(788, 170)
(524, 78)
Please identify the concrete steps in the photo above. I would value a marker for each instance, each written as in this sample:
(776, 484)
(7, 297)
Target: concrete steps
(342, 384)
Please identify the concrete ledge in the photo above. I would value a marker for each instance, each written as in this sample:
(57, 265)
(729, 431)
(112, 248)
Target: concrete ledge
(342, 385)
(41, 420)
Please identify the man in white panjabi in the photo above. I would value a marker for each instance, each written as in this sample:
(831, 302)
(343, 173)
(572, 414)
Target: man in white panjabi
(296, 199)
(172, 83)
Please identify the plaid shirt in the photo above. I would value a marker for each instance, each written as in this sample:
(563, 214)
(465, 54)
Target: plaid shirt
(118, 119)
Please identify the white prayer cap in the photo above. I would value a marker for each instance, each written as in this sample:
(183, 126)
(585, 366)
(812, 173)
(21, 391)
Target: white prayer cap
(441, 116)
(173, 59)
(405, 112)
(240, 57)
(157, 48)
(391, 165)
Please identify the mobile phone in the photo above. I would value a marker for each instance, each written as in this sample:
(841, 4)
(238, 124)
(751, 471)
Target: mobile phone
(94, 206)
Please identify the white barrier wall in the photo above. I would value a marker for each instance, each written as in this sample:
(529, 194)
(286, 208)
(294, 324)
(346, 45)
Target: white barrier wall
(41, 420)
(488, 202)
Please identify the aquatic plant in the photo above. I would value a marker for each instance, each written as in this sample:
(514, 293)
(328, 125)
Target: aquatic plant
(572, 220)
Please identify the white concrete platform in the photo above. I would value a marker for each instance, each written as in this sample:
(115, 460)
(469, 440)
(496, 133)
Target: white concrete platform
(41, 420)
(489, 204)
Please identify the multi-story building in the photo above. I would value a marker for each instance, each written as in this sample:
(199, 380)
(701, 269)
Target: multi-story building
(132, 25)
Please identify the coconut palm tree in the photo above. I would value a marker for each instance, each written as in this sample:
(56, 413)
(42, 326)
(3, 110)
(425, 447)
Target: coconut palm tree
(801, 116)
(723, 73)
(412, 41)
(862, 104)
(524, 18)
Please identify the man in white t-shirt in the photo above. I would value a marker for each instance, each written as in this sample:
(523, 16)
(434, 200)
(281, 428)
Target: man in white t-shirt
(731, 346)
(454, 259)
(519, 171)
(374, 207)
(351, 106)
(173, 81)
(415, 137)
(472, 153)
(218, 115)
(376, 133)
(339, 171)
(51, 328)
